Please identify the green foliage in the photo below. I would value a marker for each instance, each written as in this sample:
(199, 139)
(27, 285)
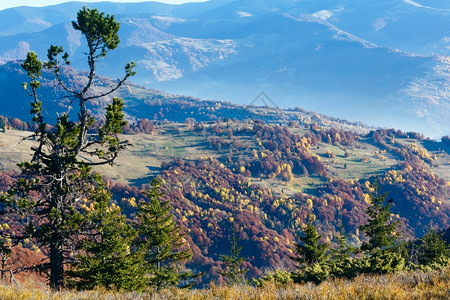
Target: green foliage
(33, 66)
(161, 240)
(383, 250)
(381, 262)
(105, 257)
(52, 55)
(341, 263)
(113, 124)
(317, 272)
(311, 257)
(433, 251)
(100, 30)
(233, 272)
(343, 250)
(277, 277)
(309, 251)
(380, 230)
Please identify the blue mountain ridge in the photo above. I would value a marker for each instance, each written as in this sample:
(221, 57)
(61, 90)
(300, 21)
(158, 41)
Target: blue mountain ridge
(383, 62)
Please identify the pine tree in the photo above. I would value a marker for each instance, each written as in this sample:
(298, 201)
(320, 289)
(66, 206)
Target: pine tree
(46, 194)
(105, 256)
(309, 251)
(311, 256)
(233, 272)
(433, 251)
(343, 250)
(383, 249)
(162, 240)
(342, 263)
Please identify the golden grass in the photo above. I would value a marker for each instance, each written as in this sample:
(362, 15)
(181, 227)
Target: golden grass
(403, 285)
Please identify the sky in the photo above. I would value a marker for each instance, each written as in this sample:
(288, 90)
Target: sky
(13, 3)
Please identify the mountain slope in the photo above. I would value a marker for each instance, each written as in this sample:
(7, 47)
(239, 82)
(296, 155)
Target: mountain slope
(266, 179)
(144, 103)
(380, 62)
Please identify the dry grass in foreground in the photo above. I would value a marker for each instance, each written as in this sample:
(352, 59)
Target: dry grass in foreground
(403, 285)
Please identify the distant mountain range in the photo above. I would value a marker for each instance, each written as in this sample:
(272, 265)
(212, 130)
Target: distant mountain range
(382, 62)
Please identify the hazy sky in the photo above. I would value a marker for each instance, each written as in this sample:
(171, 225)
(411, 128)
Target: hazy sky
(13, 3)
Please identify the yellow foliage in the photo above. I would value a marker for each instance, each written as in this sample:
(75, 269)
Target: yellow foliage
(130, 201)
(113, 207)
(35, 248)
(369, 186)
(276, 203)
(366, 198)
(408, 168)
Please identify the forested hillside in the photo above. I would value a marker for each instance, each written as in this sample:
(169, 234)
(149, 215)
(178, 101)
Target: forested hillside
(267, 179)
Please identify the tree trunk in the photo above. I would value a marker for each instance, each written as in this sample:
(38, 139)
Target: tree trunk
(56, 264)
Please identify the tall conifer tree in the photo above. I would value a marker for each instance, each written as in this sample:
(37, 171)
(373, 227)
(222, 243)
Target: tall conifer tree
(105, 256)
(233, 261)
(162, 240)
(311, 256)
(342, 263)
(383, 247)
(433, 250)
(309, 250)
(47, 192)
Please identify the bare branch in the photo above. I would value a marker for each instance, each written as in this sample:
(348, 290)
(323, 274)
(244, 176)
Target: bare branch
(119, 84)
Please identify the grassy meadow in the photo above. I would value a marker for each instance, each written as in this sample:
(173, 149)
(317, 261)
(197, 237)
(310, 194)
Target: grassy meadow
(402, 285)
